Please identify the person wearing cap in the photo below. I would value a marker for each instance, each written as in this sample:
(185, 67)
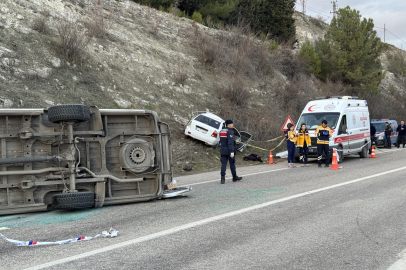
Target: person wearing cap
(228, 151)
(323, 134)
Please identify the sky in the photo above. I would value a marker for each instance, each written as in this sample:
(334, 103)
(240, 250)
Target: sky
(391, 13)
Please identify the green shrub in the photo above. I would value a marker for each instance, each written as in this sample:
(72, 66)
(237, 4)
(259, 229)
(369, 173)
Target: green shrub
(197, 17)
(397, 64)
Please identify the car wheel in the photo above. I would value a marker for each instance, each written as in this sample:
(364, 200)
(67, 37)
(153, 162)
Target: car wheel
(68, 113)
(74, 200)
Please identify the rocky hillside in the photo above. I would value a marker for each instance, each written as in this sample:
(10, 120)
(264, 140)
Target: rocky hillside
(118, 54)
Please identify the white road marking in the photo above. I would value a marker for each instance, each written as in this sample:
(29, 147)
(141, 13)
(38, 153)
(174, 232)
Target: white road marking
(401, 263)
(228, 178)
(218, 179)
(203, 222)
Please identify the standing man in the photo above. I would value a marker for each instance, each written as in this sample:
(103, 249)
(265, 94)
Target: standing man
(388, 132)
(373, 132)
(401, 131)
(323, 134)
(228, 152)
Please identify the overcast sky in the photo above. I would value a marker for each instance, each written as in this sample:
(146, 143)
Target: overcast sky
(392, 13)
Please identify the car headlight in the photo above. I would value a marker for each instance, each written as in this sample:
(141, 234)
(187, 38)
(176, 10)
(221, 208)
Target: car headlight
(380, 138)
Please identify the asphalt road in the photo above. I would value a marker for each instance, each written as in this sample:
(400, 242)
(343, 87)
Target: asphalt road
(275, 218)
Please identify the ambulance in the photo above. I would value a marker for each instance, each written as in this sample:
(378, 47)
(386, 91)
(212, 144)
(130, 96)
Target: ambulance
(348, 119)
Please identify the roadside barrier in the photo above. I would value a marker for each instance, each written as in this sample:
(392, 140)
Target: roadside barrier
(111, 233)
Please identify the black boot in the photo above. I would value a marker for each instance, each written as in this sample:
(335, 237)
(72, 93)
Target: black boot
(236, 178)
(223, 179)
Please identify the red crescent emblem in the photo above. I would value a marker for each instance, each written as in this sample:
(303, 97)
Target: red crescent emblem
(310, 108)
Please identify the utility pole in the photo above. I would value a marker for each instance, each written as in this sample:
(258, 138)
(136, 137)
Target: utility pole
(303, 2)
(384, 33)
(334, 8)
(304, 6)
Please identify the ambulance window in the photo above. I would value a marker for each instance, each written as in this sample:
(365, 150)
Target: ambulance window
(342, 123)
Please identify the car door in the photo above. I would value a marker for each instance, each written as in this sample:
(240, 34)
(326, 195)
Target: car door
(342, 134)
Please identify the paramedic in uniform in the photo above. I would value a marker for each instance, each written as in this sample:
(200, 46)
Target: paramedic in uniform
(323, 134)
(228, 151)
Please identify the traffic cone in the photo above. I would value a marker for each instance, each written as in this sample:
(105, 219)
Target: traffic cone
(334, 163)
(373, 153)
(271, 162)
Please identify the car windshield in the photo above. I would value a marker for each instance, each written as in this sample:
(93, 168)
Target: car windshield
(208, 121)
(313, 120)
(380, 127)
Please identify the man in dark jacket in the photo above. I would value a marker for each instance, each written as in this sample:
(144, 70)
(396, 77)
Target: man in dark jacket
(228, 151)
(373, 131)
(388, 132)
(401, 131)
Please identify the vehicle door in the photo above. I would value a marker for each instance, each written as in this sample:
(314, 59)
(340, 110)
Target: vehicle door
(342, 134)
(394, 137)
(354, 136)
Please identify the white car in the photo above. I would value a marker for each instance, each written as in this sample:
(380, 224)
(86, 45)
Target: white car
(205, 127)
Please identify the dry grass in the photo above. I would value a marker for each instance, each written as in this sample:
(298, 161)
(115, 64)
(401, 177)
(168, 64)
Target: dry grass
(96, 23)
(40, 23)
(71, 41)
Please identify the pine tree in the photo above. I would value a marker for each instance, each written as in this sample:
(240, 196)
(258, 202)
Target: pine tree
(353, 50)
(273, 17)
(308, 54)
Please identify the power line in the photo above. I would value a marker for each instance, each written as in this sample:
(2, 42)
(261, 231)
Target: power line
(321, 13)
(396, 36)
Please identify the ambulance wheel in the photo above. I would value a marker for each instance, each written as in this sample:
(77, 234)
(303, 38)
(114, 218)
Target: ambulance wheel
(364, 152)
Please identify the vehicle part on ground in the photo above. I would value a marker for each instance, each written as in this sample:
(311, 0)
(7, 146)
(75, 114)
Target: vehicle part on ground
(242, 138)
(180, 191)
(63, 156)
(74, 200)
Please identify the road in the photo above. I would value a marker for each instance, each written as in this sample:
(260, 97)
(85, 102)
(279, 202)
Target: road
(275, 218)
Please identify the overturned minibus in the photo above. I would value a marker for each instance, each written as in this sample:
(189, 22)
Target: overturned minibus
(76, 156)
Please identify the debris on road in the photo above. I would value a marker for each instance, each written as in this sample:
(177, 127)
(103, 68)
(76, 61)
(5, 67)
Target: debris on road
(4, 228)
(111, 233)
(170, 193)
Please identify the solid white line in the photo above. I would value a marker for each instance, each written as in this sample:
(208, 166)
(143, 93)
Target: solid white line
(210, 181)
(401, 263)
(203, 222)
